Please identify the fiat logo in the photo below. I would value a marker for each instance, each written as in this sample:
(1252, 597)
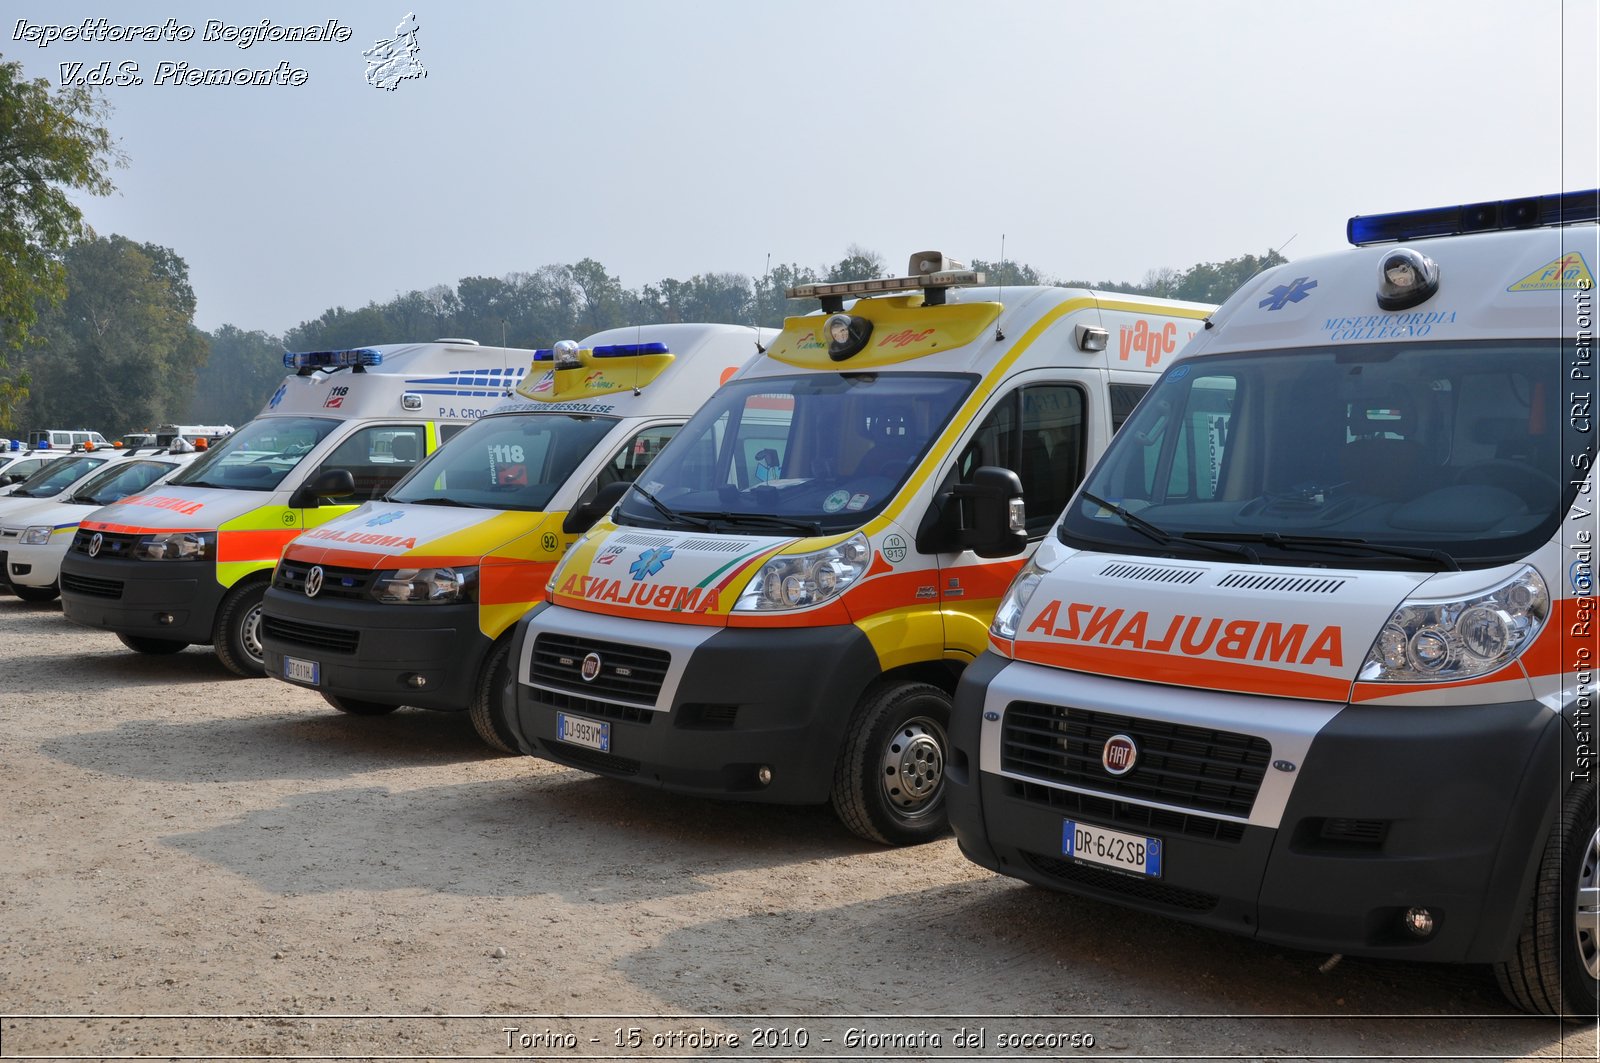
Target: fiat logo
(314, 581)
(1118, 755)
(591, 667)
(95, 542)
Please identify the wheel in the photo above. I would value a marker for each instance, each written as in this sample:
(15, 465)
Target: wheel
(888, 784)
(357, 707)
(237, 634)
(1556, 968)
(142, 644)
(485, 708)
(36, 594)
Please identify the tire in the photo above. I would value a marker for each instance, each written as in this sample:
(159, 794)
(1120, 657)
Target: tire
(144, 644)
(236, 637)
(36, 594)
(888, 784)
(357, 707)
(485, 707)
(1554, 970)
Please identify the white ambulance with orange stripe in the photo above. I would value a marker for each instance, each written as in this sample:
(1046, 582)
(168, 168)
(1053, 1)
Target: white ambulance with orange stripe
(409, 600)
(778, 611)
(1311, 655)
(189, 563)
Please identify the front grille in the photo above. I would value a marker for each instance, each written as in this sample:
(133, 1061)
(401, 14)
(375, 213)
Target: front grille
(1192, 767)
(112, 544)
(590, 707)
(316, 636)
(346, 583)
(629, 673)
(91, 587)
(1141, 819)
(1104, 880)
(591, 759)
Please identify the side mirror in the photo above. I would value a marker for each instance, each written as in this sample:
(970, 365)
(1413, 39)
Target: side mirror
(985, 516)
(329, 483)
(582, 516)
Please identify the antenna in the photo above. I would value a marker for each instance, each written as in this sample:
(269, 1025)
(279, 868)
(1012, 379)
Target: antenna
(1286, 243)
(766, 282)
(1000, 289)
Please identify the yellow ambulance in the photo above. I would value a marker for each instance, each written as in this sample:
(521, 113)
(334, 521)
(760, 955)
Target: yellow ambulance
(409, 600)
(189, 563)
(779, 608)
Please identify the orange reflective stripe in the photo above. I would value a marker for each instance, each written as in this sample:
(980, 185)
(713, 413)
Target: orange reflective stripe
(253, 545)
(1186, 671)
(512, 584)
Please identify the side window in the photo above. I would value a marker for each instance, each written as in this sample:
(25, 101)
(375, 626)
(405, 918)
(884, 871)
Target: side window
(1124, 397)
(1038, 432)
(377, 457)
(627, 463)
(448, 430)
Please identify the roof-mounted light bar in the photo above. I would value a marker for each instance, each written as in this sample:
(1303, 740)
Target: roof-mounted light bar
(930, 272)
(308, 360)
(1533, 212)
(628, 350)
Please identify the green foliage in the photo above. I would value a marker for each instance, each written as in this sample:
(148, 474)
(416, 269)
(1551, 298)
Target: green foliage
(50, 141)
(120, 352)
(1208, 282)
(238, 378)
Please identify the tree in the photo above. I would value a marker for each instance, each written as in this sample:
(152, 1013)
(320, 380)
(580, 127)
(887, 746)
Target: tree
(120, 351)
(50, 141)
(858, 264)
(1213, 282)
(239, 376)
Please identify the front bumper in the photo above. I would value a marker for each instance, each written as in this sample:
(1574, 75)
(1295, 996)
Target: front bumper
(375, 652)
(725, 703)
(1385, 808)
(175, 600)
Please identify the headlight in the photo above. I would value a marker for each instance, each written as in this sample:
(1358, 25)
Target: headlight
(426, 586)
(176, 546)
(796, 581)
(1437, 642)
(1009, 615)
(38, 535)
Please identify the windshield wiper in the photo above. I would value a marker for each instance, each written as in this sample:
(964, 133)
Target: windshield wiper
(1320, 542)
(441, 502)
(672, 515)
(810, 527)
(1166, 538)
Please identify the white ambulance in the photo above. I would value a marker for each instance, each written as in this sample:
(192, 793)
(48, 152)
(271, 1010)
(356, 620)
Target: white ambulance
(190, 563)
(34, 539)
(410, 600)
(1310, 656)
(779, 609)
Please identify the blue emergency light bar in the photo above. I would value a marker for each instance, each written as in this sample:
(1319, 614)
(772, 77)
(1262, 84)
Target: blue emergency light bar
(1534, 212)
(332, 359)
(613, 350)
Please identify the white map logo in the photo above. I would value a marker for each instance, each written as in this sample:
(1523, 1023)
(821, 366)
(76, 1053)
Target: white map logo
(394, 60)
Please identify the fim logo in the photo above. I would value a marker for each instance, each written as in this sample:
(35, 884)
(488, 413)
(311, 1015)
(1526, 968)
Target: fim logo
(395, 60)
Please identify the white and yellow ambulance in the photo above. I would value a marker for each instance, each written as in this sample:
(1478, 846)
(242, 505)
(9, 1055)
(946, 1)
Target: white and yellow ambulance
(778, 611)
(409, 600)
(1310, 657)
(190, 562)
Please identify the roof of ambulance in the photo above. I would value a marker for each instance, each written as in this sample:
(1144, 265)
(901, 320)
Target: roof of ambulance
(1489, 287)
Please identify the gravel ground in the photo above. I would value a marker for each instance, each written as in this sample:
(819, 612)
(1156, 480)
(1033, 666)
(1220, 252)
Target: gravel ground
(200, 866)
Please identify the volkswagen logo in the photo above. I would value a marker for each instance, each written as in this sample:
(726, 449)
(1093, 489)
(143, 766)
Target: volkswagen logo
(95, 542)
(591, 667)
(1118, 755)
(314, 581)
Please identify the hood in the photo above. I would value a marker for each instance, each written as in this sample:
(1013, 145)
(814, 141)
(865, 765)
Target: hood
(1286, 632)
(693, 577)
(383, 535)
(165, 509)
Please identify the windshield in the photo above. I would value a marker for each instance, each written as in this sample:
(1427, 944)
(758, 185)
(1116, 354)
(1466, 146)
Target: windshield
(57, 477)
(821, 452)
(258, 456)
(124, 478)
(514, 461)
(1414, 455)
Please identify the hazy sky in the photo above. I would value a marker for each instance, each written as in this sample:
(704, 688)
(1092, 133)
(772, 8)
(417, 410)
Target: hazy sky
(668, 139)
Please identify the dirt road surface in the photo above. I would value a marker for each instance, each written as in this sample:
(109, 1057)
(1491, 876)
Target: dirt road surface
(198, 866)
